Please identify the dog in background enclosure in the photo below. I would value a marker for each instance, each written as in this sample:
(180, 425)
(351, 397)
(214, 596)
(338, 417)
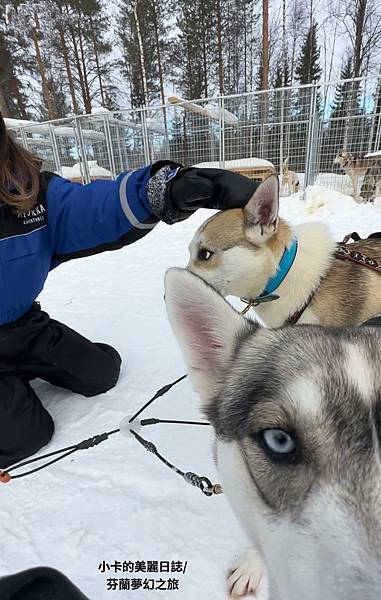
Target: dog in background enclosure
(296, 417)
(357, 168)
(371, 187)
(289, 178)
(254, 254)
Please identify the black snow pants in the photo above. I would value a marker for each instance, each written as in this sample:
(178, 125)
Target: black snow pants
(37, 346)
(41, 583)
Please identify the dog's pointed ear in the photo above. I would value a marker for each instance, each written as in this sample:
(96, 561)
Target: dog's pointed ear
(206, 328)
(261, 212)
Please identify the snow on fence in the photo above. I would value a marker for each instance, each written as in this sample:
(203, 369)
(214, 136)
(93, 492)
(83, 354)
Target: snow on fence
(308, 125)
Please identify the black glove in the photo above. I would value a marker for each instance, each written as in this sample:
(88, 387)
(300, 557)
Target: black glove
(175, 192)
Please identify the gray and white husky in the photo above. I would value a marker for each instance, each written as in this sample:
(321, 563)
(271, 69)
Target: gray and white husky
(356, 168)
(297, 419)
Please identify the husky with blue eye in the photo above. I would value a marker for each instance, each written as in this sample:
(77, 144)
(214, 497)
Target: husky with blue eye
(297, 418)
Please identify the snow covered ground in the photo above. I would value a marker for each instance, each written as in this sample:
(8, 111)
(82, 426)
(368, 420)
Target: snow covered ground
(117, 502)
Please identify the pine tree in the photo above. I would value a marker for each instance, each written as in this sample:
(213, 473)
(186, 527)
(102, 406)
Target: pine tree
(139, 34)
(26, 19)
(15, 63)
(196, 44)
(216, 49)
(279, 78)
(59, 21)
(88, 25)
(240, 21)
(341, 101)
(308, 69)
(58, 96)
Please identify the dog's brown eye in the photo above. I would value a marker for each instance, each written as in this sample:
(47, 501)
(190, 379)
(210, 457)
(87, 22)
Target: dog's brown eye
(204, 254)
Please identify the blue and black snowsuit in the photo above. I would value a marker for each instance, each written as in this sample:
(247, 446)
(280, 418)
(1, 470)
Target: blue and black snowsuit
(68, 221)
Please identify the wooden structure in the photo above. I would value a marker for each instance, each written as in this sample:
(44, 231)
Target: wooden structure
(253, 168)
(254, 173)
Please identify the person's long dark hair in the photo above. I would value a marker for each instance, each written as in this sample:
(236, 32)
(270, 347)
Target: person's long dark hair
(19, 173)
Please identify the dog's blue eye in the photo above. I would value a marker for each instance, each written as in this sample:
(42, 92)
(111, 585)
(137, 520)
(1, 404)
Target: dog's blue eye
(278, 441)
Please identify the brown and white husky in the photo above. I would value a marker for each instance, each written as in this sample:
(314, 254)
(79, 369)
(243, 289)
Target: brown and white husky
(290, 178)
(242, 252)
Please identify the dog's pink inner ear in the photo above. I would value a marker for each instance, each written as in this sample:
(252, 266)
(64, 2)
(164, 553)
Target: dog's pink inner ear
(262, 208)
(204, 346)
(265, 210)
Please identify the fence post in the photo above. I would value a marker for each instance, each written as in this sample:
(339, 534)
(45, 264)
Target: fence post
(221, 137)
(110, 151)
(377, 144)
(264, 124)
(311, 137)
(56, 156)
(122, 162)
(82, 159)
(146, 148)
(166, 139)
(24, 138)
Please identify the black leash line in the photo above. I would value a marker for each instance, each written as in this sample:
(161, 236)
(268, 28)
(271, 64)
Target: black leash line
(64, 452)
(145, 422)
(203, 483)
(159, 393)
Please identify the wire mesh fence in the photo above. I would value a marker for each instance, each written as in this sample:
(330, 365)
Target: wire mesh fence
(323, 134)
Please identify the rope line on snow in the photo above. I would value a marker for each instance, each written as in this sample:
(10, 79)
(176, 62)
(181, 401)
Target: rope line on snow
(84, 445)
(164, 390)
(201, 482)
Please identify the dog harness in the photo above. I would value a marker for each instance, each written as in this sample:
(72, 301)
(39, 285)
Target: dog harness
(344, 252)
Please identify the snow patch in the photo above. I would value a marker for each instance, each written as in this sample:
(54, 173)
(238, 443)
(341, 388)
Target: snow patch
(214, 111)
(36, 129)
(371, 154)
(210, 110)
(100, 110)
(95, 170)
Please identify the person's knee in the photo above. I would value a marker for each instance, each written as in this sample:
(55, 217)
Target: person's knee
(108, 373)
(27, 439)
(43, 434)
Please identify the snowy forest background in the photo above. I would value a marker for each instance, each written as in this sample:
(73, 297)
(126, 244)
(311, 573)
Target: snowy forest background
(63, 57)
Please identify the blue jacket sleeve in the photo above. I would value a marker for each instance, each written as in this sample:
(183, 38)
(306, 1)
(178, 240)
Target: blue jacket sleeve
(99, 216)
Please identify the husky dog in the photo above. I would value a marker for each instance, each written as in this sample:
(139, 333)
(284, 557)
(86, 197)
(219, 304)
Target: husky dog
(355, 169)
(290, 178)
(297, 418)
(371, 187)
(252, 254)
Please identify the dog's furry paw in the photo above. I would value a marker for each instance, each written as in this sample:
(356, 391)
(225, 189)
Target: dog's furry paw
(244, 578)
